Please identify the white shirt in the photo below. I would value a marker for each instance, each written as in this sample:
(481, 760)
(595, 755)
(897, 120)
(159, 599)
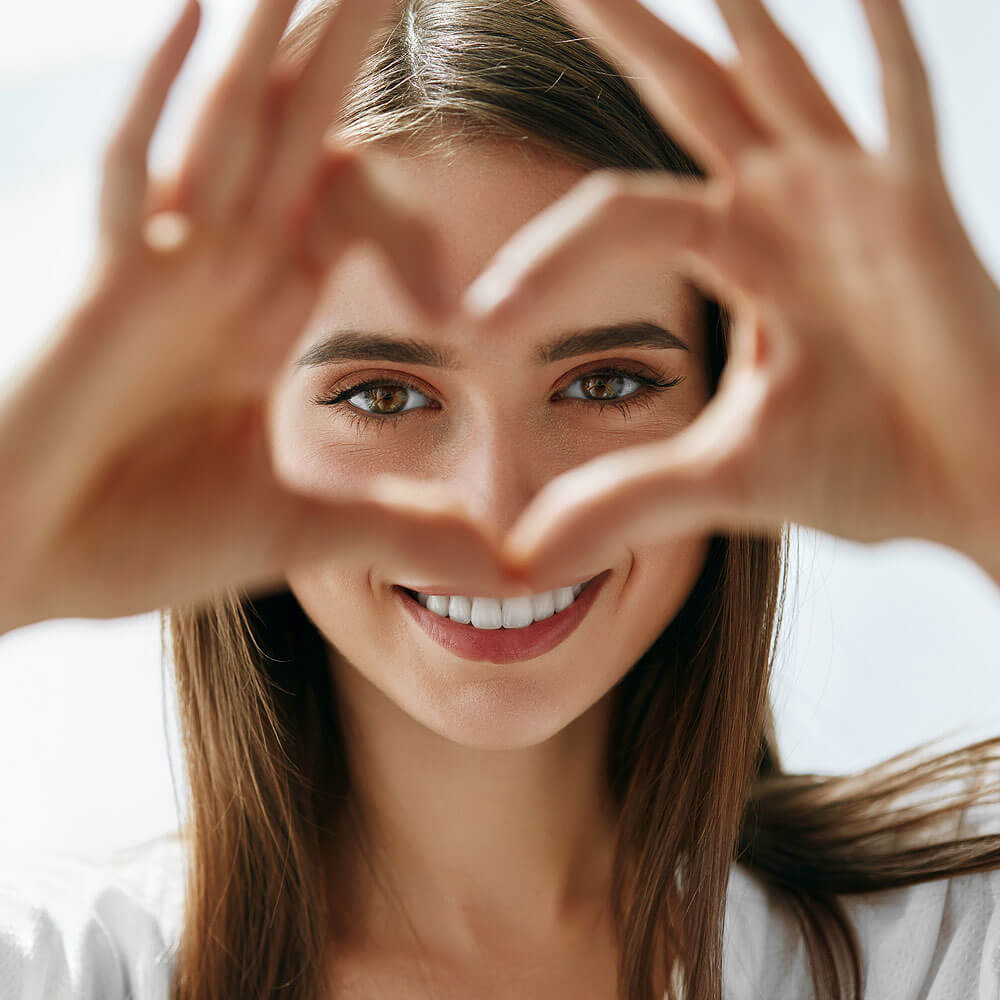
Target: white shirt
(107, 929)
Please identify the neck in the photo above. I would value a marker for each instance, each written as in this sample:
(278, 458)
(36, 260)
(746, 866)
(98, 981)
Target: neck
(470, 844)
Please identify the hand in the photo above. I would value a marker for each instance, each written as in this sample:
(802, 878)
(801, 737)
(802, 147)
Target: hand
(862, 391)
(135, 453)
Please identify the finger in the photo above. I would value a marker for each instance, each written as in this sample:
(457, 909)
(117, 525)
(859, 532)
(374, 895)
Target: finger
(413, 529)
(125, 175)
(638, 496)
(353, 204)
(609, 214)
(905, 84)
(227, 138)
(248, 70)
(777, 79)
(319, 91)
(162, 195)
(692, 95)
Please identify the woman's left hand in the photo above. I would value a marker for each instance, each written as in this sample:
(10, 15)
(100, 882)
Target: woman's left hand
(862, 390)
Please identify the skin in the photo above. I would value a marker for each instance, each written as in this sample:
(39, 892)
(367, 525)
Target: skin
(514, 750)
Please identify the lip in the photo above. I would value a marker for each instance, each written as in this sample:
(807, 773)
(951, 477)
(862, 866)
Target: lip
(503, 645)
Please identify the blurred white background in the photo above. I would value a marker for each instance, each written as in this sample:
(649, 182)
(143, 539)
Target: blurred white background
(883, 646)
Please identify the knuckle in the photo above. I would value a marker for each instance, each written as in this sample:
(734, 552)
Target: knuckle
(348, 187)
(343, 167)
(281, 82)
(339, 185)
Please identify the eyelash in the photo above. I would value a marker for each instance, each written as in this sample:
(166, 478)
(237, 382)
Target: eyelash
(650, 385)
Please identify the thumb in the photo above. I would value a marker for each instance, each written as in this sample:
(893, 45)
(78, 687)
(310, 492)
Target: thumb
(642, 494)
(693, 482)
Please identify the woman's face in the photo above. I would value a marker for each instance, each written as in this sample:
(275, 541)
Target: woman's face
(495, 428)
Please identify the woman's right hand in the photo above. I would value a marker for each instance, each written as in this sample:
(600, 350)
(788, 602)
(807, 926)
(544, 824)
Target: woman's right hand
(135, 453)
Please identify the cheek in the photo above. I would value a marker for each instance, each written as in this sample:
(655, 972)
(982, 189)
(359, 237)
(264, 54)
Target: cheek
(337, 597)
(316, 454)
(321, 464)
(660, 581)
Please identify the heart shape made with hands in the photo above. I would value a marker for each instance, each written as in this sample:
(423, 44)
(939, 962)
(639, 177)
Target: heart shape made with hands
(860, 385)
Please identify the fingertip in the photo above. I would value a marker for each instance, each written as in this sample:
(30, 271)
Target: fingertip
(178, 43)
(486, 296)
(190, 17)
(488, 308)
(518, 553)
(517, 565)
(518, 573)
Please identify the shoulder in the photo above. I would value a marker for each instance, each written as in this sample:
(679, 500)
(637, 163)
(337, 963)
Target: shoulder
(83, 928)
(937, 940)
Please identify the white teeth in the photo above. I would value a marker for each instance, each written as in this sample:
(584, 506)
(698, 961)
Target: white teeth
(439, 605)
(563, 598)
(543, 606)
(517, 612)
(460, 610)
(486, 612)
(494, 613)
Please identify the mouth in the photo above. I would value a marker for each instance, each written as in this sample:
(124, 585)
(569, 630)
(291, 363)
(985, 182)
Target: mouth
(480, 633)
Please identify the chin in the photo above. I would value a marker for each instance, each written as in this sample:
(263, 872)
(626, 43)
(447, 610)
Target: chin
(504, 715)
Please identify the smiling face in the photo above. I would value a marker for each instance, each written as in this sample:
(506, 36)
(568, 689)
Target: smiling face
(512, 411)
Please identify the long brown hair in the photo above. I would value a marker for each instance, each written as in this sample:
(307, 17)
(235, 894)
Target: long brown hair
(694, 763)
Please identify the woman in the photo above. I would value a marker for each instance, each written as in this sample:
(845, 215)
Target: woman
(399, 786)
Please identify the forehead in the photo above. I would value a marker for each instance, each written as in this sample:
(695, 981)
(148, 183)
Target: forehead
(476, 197)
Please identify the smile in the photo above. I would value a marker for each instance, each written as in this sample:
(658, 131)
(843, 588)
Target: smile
(502, 631)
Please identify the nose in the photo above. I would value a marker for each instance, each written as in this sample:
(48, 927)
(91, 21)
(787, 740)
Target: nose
(497, 469)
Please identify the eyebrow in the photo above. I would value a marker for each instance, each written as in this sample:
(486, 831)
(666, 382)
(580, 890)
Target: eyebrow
(356, 345)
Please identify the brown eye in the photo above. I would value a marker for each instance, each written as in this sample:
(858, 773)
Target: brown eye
(377, 398)
(381, 401)
(606, 386)
(602, 386)
(386, 399)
